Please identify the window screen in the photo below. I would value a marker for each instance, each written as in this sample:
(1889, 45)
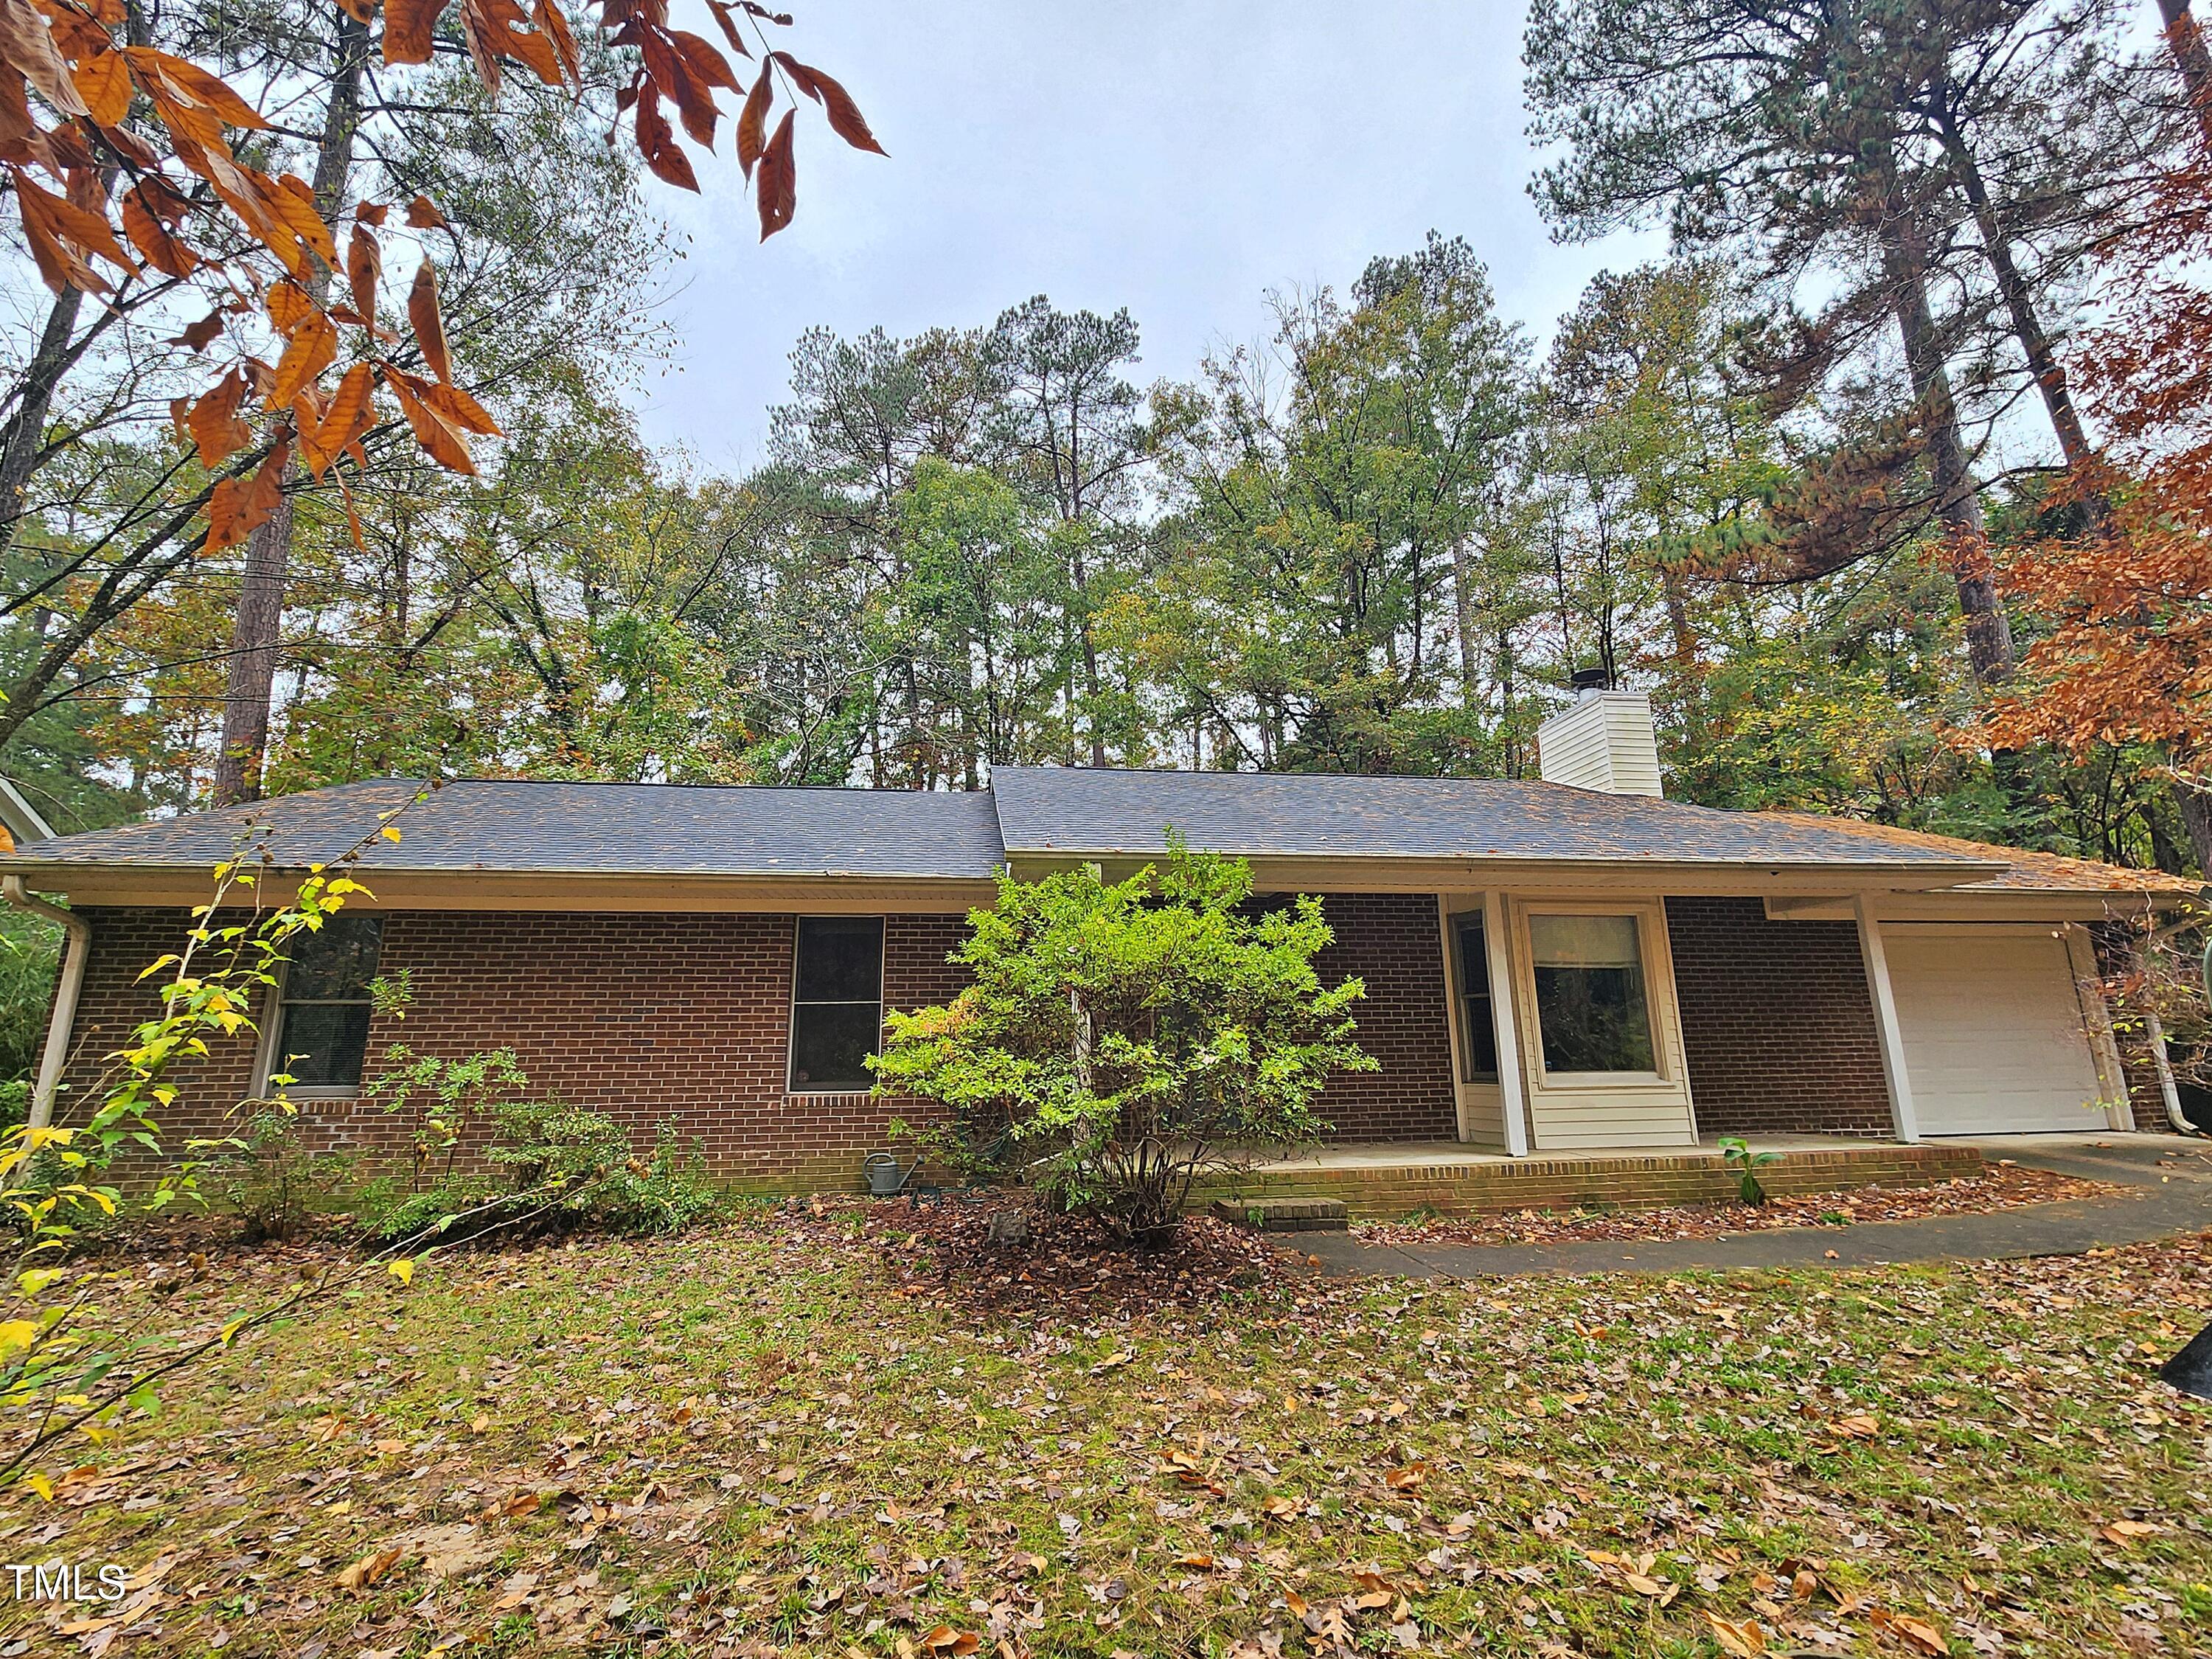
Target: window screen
(836, 1003)
(1478, 1047)
(323, 1036)
(1591, 1005)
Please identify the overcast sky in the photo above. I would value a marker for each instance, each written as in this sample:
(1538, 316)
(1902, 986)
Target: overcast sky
(1180, 160)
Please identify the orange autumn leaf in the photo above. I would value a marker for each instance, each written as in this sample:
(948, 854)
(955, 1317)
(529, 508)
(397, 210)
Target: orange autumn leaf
(428, 325)
(105, 82)
(214, 421)
(440, 437)
(364, 263)
(313, 346)
(238, 506)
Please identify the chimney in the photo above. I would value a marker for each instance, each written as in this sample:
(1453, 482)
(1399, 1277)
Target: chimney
(1602, 740)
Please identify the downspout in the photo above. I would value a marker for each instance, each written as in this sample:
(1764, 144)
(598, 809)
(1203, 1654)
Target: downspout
(75, 954)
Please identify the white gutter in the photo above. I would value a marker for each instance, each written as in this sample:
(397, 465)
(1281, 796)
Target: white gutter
(76, 953)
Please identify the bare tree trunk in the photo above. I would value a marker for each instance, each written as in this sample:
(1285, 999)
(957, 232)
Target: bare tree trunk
(254, 641)
(26, 429)
(2186, 42)
(1958, 502)
(2195, 803)
(2019, 303)
(1463, 617)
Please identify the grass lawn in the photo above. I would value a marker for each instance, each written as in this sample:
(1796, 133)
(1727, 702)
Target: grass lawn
(805, 1433)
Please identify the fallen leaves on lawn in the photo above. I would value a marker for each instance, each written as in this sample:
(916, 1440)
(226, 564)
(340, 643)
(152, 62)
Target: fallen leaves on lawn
(1915, 1634)
(1743, 1638)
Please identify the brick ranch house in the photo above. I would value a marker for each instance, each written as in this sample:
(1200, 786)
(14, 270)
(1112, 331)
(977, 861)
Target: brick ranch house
(1575, 966)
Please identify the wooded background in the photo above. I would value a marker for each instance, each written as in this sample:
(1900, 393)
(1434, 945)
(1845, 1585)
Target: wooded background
(1889, 483)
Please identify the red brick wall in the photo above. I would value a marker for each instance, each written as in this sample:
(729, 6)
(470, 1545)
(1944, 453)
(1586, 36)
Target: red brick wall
(649, 1017)
(645, 1017)
(1778, 1021)
(1393, 942)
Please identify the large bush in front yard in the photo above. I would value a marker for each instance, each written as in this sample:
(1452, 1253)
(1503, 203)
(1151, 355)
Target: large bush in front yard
(1121, 1038)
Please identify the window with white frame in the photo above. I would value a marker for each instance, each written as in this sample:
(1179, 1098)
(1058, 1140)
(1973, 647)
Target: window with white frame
(1477, 1051)
(1593, 1012)
(836, 1004)
(324, 1006)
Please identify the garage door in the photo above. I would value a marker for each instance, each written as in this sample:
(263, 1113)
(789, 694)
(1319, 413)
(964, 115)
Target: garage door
(1994, 1040)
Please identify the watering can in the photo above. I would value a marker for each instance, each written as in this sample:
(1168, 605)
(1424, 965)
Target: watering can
(884, 1178)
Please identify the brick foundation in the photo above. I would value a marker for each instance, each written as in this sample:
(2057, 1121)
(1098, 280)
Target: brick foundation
(1595, 1180)
(1778, 1022)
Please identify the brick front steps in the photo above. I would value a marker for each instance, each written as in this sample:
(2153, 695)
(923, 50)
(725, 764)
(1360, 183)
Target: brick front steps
(1373, 1190)
(1285, 1215)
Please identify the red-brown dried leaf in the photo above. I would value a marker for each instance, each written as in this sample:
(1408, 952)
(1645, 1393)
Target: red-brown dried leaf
(722, 16)
(752, 120)
(845, 117)
(554, 25)
(197, 335)
(423, 215)
(410, 25)
(670, 76)
(656, 142)
(778, 185)
(704, 61)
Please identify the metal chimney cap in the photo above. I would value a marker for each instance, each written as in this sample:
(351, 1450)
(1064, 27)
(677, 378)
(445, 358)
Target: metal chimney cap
(1590, 680)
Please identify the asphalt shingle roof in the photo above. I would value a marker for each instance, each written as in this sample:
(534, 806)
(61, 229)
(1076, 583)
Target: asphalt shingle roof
(1055, 810)
(516, 825)
(626, 829)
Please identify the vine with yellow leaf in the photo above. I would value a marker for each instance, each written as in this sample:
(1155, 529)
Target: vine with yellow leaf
(62, 1374)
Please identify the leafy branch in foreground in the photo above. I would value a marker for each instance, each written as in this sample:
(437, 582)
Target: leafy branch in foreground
(59, 1372)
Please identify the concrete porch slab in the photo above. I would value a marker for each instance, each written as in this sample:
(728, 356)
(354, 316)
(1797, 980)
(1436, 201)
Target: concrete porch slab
(1385, 1181)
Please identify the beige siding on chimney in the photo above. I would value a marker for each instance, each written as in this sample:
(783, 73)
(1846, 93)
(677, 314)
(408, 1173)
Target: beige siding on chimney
(1602, 741)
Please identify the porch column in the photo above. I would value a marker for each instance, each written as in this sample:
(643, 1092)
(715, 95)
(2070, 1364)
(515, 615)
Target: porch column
(1512, 1098)
(1886, 1030)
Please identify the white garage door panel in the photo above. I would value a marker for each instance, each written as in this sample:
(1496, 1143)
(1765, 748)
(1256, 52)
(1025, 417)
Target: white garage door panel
(1995, 1042)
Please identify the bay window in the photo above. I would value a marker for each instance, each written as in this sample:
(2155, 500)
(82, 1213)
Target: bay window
(1593, 1013)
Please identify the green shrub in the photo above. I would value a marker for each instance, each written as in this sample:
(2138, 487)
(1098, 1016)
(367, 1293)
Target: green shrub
(1120, 1039)
(269, 1180)
(537, 1164)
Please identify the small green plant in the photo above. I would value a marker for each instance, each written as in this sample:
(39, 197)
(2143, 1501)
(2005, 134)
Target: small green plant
(1737, 1153)
(270, 1181)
